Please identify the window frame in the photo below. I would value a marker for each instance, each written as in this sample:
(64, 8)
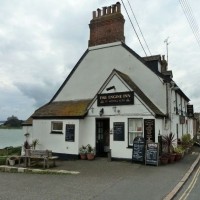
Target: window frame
(56, 131)
(136, 132)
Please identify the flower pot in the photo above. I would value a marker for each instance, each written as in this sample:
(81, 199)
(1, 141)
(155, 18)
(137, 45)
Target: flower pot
(11, 162)
(83, 156)
(90, 156)
(164, 160)
(172, 158)
(178, 157)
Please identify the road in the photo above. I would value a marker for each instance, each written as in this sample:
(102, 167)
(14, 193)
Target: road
(191, 190)
(98, 180)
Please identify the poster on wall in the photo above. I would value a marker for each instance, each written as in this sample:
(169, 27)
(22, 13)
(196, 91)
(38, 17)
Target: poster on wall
(149, 130)
(118, 128)
(70, 133)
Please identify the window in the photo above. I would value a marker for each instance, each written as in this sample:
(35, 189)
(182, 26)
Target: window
(57, 127)
(135, 128)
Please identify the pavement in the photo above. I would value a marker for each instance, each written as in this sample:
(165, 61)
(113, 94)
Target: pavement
(119, 179)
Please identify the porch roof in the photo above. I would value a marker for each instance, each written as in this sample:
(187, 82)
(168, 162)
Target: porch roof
(63, 109)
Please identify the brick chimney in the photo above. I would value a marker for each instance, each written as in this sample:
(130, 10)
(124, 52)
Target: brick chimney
(107, 25)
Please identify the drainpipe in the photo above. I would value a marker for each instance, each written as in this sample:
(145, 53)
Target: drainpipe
(168, 104)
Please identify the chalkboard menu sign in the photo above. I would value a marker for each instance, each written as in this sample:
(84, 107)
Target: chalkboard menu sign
(70, 133)
(152, 152)
(138, 149)
(149, 130)
(118, 128)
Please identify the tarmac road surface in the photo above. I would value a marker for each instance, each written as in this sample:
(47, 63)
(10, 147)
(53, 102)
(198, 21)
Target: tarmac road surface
(98, 180)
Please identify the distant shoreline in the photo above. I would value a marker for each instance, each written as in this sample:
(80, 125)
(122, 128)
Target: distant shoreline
(5, 127)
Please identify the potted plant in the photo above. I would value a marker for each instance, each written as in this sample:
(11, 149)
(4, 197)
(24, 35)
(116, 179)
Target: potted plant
(186, 142)
(90, 152)
(11, 160)
(179, 151)
(35, 142)
(82, 152)
(164, 159)
(168, 143)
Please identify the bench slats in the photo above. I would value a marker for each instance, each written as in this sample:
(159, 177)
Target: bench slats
(45, 155)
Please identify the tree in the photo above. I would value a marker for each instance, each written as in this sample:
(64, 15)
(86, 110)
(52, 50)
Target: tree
(13, 121)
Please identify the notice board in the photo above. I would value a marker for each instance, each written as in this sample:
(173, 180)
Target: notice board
(152, 154)
(138, 152)
(149, 130)
(118, 128)
(70, 133)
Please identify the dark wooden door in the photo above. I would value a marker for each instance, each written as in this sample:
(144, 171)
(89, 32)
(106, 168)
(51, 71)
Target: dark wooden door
(102, 136)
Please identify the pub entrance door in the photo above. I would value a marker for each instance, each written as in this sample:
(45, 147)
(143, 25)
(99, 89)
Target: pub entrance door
(102, 136)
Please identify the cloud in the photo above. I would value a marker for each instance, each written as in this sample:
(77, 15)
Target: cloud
(41, 41)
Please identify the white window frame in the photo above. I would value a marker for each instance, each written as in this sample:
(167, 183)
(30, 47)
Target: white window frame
(59, 130)
(135, 128)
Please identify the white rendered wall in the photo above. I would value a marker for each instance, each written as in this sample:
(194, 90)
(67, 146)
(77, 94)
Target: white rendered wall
(55, 142)
(97, 66)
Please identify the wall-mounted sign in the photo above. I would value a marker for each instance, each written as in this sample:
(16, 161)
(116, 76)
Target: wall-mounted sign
(190, 111)
(118, 98)
(70, 133)
(149, 130)
(118, 128)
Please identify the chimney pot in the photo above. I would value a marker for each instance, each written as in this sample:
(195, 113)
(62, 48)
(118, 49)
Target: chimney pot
(109, 10)
(118, 7)
(114, 8)
(99, 12)
(94, 14)
(104, 10)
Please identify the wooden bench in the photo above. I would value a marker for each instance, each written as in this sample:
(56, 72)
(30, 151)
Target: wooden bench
(37, 155)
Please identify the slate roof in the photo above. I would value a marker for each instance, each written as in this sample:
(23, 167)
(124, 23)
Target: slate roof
(62, 109)
(139, 92)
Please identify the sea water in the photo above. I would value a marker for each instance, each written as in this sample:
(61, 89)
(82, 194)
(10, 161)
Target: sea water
(11, 137)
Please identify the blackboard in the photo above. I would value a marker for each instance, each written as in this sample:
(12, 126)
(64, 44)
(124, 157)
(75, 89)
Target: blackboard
(152, 153)
(70, 133)
(149, 130)
(118, 128)
(138, 153)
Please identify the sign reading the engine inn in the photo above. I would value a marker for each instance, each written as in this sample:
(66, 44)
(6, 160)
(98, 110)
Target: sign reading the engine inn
(118, 98)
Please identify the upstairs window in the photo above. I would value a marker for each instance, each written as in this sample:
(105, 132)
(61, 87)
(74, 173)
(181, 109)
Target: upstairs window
(57, 127)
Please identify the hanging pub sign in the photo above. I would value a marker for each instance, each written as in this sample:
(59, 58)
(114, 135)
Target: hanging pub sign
(138, 152)
(182, 119)
(118, 98)
(149, 130)
(190, 111)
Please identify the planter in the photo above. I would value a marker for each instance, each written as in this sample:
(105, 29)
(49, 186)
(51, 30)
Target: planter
(172, 158)
(164, 160)
(90, 156)
(178, 156)
(83, 156)
(11, 162)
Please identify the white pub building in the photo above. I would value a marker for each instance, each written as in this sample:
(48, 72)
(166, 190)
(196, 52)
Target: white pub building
(111, 96)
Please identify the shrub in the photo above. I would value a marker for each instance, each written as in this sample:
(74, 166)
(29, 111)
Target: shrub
(186, 140)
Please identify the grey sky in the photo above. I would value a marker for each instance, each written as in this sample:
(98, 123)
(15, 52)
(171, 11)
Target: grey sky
(41, 41)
